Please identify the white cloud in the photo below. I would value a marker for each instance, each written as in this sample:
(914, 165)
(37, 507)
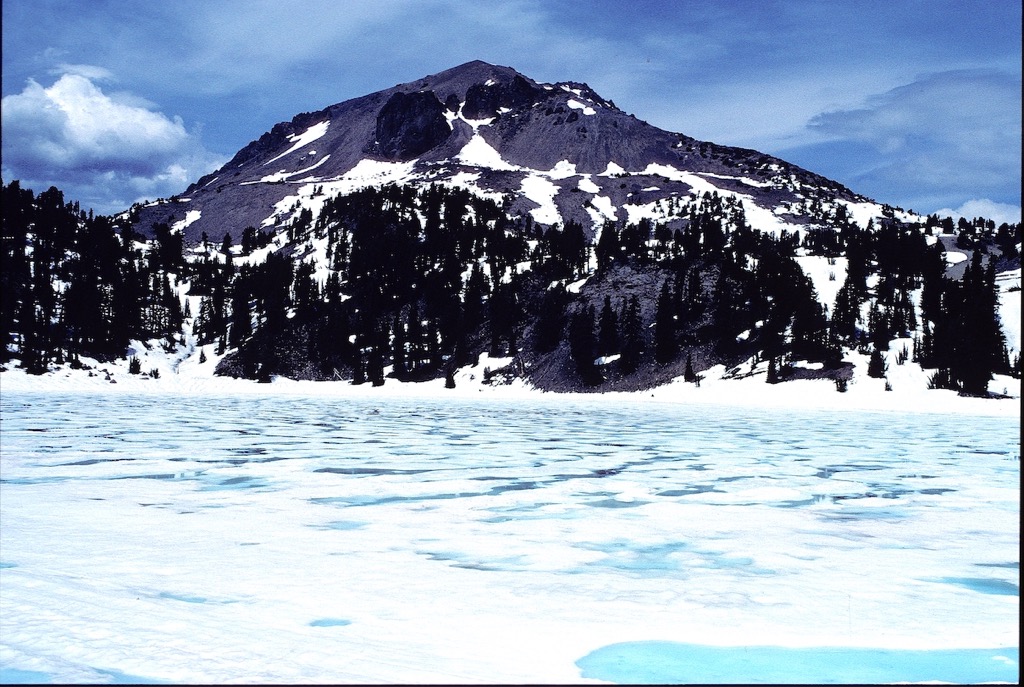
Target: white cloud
(89, 71)
(983, 207)
(90, 143)
(958, 128)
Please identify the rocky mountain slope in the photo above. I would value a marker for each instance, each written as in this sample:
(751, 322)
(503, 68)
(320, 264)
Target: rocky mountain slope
(558, 151)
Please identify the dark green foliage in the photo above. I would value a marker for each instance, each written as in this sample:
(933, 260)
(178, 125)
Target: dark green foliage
(876, 365)
(608, 339)
(633, 344)
(422, 281)
(583, 344)
(666, 344)
(112, 293)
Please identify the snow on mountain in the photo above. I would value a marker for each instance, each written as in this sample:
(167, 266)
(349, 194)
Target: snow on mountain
(481, 118)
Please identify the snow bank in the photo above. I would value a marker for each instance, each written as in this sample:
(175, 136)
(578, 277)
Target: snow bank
(743, 386)
(305, 138)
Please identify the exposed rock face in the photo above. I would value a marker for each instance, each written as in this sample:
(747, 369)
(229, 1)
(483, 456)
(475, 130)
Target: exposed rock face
(409, 125)
(484, 100)
(488, 126)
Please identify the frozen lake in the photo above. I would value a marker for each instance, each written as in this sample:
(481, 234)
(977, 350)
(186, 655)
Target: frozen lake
(297, 539)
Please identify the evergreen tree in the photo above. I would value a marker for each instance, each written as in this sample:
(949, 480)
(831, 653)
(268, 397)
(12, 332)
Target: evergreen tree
(582, 344)
(666, 346)
(608, 339)
(632, 336)
(876, 365)
(688, 373)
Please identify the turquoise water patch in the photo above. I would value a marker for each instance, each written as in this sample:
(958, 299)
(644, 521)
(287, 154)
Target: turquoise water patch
(17, 676)
(342, 525)
(674, 663)
(187, 598)
(243, 482)
(985, 585)
(119, 678)
(330, 622)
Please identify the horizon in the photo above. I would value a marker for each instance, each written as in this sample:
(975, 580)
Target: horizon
(916, 106)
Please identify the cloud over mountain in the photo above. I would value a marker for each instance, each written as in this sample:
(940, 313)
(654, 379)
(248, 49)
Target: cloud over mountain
(942, 131)
(76, 136)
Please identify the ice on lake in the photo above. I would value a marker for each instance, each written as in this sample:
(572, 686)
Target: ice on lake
(289, 539)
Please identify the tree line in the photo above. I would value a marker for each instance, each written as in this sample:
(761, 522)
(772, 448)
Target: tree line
(417, 282)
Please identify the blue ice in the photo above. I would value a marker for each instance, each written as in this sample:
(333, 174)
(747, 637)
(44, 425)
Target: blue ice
(187, 598)
(674, 663)
(985, 585)
(330, 622)
(17, 676)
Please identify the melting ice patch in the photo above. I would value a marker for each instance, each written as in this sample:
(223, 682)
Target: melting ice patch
(676, 663)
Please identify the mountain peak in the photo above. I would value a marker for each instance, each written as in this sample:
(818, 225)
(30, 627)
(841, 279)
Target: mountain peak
(492, 129)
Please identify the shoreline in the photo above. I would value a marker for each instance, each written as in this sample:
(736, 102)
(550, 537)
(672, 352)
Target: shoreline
(864, 394)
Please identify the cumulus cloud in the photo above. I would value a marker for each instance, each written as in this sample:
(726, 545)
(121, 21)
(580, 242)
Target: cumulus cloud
(983, 207)
(106, 150)
(943, 138)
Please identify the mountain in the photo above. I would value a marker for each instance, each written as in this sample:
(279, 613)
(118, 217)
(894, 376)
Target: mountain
(560, 151)
(477, 224)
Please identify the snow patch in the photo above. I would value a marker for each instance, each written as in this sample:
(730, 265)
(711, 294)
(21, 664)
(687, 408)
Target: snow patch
(305, 138)
(826, 278)
(576, 105)
(1010, 307)
(284, 175)
(542, 191)
(479, 153)
(190, 217)
(563, 170)
(612, 170)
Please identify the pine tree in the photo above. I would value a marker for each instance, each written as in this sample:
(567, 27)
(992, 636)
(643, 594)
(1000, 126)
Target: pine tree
(608, 339)
(666, 347)
(876, 365)
(550, 319)
(582, 344)
(632, 336)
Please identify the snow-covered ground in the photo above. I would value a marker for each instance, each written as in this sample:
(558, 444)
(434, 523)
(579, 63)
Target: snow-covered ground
(193, 535)
(181, 373)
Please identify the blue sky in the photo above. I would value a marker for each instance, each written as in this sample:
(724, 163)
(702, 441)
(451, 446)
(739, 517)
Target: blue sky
(916, 104)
